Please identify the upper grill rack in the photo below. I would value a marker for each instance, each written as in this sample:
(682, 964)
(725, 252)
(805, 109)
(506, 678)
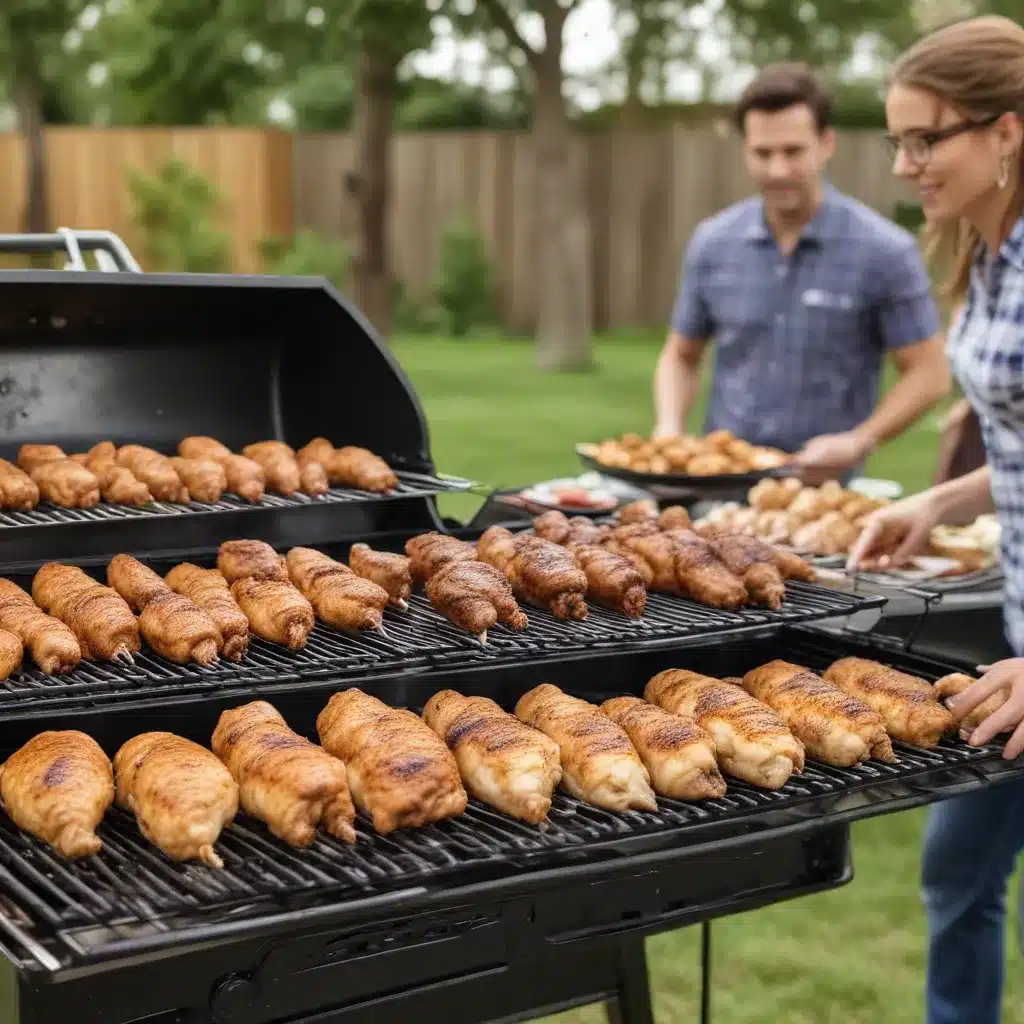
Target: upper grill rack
(411, 485)
(418, 638)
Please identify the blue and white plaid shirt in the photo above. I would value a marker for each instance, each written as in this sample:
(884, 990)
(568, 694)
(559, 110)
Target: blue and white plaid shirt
(799, 340)
(986, 353)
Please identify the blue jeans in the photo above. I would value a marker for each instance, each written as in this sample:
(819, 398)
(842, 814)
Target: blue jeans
(970, 848)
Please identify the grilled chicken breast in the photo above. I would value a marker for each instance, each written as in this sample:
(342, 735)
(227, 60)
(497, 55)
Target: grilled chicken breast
(400, 771)
(909, 706)
(338, 596)
(503, 762)
(833, 726)
(752, 743)
(182, 796)
(429, 552)
(386, 569)
(239, 559)
(474, 596)
(283, 779)
(276, 611)
(58, 786)
(210, 591)
(52, 644)
(599, 763)
(678, 753)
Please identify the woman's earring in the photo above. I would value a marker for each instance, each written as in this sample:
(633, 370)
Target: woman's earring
(1004, 172)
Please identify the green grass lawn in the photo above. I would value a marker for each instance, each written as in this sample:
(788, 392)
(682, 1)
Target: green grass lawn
(854, 956)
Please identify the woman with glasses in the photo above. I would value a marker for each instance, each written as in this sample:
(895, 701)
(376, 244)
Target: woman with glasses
(954, 109)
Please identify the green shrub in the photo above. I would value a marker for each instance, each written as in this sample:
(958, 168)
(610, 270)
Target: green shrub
(464, 290)
(175, 211)
(307, 254)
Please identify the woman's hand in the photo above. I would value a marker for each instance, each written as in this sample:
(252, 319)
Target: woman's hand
(894, 534)
(1009, 717)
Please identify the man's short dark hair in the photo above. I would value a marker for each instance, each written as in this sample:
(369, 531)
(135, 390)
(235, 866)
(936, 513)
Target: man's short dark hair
(781, 86)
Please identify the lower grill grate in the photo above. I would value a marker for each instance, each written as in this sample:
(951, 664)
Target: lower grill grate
(411, 485)
(416, 638)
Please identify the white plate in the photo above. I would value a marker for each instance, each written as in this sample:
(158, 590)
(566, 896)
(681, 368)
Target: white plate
(872, 487)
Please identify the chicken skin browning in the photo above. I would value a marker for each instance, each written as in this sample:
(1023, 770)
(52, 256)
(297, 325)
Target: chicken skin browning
(239, 559)
(503, 762)
(276, 611)
(556, 527)
(52, 644)
(135, 582)
(909, 706)
(474, 596)
(205, 479)
(432, 551)
(753, 562)
(284, 780)
(678, 754)
(99, 617)
(118, 485)
(751, 741)
(386, 569)
(210, 591)
(58, 786)
(641, 511)
(155, 471)
(540, 572)
(201, 447)
(279, 465)
(951, 686)
(338, 596)
(243, 476)
(401, 773)
(833, 726)
(312, 468)
(12, 653)
(675, 517)
(18, 490)
(612, 580)
(66, 483)
(599, 763)
(181, 794)
(361, 469)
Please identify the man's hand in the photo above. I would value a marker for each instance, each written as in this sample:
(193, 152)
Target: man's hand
(830, 456)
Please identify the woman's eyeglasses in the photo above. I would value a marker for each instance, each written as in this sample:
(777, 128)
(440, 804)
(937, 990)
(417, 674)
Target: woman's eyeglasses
(917, 146)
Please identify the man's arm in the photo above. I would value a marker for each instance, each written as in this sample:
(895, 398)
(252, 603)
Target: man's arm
(677, 375)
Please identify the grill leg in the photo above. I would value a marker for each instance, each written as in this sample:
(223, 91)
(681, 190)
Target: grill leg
(632, 1005)
(705, 972)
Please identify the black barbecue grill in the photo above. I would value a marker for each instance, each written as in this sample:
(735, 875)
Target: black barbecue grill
(476, 919)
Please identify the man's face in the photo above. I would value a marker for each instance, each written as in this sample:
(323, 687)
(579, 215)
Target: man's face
(786, 155)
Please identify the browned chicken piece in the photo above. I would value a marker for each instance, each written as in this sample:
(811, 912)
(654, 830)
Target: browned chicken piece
(338, 596)
(753, 562)
(678, 754)
(599, 763)
(475, 596)
(284, 780)
(556, 527)
(792, 566)
(675, 517)
(31, 456)
(276, 611)
(630, 531)
(640, 511)
(751, 741)
(313, 479)
(17, 489)
(135, 582)
(540, 572)
(205, 479)
(58, 786)
(181, 794)
(613, 580)
(386, 569)
(66, 483)
(54, 648)
(245, 477)
(361, 469)
(102, 454)
(833, 726)
(98, 616)
(240, 559)
(156, 471)
(280, 468)
(318, 450)
(622, 549)
(503, 762)
(955, 684)
(909, 706)
(702, 574)
(12, 653)
(210, 591)
(201, 447)
(401, 773)
(429, 552)
(120, 486)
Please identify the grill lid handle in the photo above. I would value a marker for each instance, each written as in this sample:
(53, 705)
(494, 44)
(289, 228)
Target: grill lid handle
(110, 251)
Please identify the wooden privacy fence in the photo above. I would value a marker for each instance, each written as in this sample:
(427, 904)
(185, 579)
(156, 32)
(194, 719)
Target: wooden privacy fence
(645, 192)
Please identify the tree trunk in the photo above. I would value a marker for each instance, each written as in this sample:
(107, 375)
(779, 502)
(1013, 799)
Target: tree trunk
(28, 104)
(370, 185)
(564, 307)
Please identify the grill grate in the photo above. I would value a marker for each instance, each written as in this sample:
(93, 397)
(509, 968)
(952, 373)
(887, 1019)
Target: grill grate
(418, 637)
(411, 485)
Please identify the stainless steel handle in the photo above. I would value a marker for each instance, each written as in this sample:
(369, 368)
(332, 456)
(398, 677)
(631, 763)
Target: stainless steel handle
(110, 251)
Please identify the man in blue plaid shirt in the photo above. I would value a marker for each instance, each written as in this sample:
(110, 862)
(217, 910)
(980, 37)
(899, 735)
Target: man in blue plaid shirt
(803, 291)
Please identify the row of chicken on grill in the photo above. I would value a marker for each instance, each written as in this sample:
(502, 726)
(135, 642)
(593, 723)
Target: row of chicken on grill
(203, 470)
(403, 771)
